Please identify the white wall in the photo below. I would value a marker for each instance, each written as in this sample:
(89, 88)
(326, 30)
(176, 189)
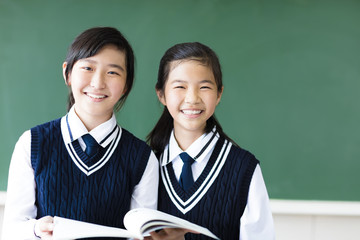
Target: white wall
(2, 204)
(302, 220)
(316, 220)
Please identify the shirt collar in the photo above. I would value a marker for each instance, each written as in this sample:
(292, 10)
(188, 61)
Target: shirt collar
(197, 150)
(103, 133)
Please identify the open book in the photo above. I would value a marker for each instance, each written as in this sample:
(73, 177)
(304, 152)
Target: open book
(138, 223)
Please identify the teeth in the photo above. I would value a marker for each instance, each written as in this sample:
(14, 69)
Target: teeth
(96, 96)
(191, 111)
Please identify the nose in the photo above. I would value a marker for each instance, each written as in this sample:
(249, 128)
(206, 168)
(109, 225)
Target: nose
(192, 96)
(98, 81)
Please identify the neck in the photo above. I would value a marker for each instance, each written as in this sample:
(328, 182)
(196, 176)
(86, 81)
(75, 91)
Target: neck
(186, 138)
(91, 122)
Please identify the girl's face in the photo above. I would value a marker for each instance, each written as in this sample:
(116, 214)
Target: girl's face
(97, 84)
(190, 95)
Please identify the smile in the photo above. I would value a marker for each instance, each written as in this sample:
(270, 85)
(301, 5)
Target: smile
(191, 112)
(96, 96)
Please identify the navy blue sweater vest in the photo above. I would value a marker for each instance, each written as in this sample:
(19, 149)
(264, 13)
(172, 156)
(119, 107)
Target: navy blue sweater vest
(223, 204)
(63, 190)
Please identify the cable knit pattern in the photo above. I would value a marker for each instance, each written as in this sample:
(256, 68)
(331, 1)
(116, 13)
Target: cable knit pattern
(63, 190)
(222, 206)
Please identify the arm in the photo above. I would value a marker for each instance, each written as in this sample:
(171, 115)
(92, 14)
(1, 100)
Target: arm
(146, 192)
(257, 222)
(20, 209)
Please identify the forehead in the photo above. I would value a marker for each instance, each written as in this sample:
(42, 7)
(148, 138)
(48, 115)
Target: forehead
(190, 70)
(111, 52)
(108, 55)
(108, 51)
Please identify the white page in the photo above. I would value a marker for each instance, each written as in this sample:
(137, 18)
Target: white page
(65, 229)
(135, 219)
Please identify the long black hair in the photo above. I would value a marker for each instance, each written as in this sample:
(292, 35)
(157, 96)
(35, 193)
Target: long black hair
(89, 43)
(159, 137)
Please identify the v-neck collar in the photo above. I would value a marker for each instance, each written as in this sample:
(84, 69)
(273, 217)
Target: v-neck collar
(90, 165)
(185, 201)
(107, 135)
(205, 143)
(75, 129)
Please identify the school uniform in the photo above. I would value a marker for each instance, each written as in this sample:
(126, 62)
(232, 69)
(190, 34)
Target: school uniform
(228, 196)
(50, 174)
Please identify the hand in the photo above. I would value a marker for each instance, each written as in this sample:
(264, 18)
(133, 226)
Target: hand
(170, 234)
(44, 227)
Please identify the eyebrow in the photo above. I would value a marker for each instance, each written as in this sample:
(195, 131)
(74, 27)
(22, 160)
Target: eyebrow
(208, 81)
(202, 81)
(110, 65)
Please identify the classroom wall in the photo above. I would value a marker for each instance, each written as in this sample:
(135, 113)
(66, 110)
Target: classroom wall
(316, 220)
(291, 74)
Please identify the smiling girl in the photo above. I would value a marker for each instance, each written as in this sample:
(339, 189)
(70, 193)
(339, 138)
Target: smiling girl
(83, 166)
(205, 177)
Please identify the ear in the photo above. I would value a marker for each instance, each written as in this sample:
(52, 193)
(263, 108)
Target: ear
(161, 96)
(219, 95)
(124, 90)
(67, 81)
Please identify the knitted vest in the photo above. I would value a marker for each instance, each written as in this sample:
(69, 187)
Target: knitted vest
(63, 190)
(223, 203)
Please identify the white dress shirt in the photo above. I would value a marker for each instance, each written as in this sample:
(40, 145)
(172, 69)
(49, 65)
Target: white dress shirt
(20, 208)
(256, 222)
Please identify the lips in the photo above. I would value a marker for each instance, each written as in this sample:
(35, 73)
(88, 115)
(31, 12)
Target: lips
(96, 96)
(191, 112)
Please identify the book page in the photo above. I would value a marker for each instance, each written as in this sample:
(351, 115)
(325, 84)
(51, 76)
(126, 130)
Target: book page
(71, 229)
(142, 221)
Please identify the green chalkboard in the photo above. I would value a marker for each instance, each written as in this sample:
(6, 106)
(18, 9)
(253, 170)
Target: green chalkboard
(291, 73)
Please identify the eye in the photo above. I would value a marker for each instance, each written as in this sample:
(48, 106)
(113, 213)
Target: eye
(87, 68)
(113, 73)
(205, 87)
(179, 87)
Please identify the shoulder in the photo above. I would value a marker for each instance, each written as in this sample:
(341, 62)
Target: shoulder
(132, 140)
(45, 129)
(128, 135)
(50, 124)
(23, 142)
(241, 153)
(25, 137)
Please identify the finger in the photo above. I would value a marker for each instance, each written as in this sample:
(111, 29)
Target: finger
(191, 231)
(46, 236)
(46, 224)
(169, 234)
(158, 235)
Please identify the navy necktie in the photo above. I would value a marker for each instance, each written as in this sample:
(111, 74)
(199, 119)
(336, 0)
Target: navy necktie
(186, 177)
(92, 146)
